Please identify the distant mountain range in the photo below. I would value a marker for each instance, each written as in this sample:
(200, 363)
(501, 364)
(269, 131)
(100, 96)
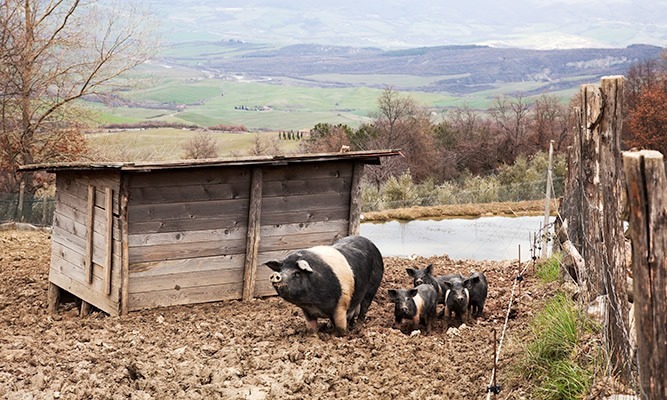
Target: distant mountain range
(392, 24)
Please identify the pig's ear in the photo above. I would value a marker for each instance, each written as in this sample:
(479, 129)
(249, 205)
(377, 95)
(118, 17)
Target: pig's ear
(410, 271)
(413, 292)
(448, 285)
(304, 266)
(392, 294)
(429, 269)
(274, 265)
(468, 282)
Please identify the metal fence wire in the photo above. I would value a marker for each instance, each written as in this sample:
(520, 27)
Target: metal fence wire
(34, 210)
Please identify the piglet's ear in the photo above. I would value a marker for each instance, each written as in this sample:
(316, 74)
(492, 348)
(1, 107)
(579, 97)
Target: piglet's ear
(304, 266)
(429, 269)
(413, 292)
(274, 265)
(392, 294)
(410, 271)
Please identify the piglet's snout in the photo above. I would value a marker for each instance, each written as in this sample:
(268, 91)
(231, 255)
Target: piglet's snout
(275, 278)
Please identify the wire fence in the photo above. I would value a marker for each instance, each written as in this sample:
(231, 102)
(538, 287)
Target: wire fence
(34, 210)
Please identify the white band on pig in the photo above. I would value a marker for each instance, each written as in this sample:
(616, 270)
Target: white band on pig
(303, 264)
(343, 271)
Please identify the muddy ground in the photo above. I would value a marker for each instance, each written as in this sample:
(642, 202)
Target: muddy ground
(253, 350)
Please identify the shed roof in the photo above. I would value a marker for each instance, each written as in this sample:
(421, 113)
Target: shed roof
(368, 157)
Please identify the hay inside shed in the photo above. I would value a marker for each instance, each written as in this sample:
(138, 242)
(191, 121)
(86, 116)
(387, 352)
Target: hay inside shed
(130, 236)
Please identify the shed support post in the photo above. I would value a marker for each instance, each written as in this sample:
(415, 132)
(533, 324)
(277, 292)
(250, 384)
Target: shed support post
(108, 239)
(252, 238)
(125, 248)
(53, 297)
(355, 199)
(90, 220)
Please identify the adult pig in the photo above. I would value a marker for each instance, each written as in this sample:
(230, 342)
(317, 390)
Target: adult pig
(416, 305)
(337, 282)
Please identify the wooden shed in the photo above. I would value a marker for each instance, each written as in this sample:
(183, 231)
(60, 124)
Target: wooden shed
(130, 236)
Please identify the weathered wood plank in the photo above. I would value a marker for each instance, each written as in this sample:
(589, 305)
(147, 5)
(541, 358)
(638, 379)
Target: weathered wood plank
(306, 186)
(189, 191)
(90, 213)
(303, 228)
(296, 242)
(153, 239)
(76, 185)
(82, 291)
(253, 235)
(216, 263)
(64, 236)
(185, 210)
(647, 198)
(124, 252)
(188, 280)
(315, 201)
(230, 221)
(61, 250)
(211, 176)
(53, 297)
(355, 200)
(186, 250)
(200, 294)
(305, 216)
(76, 274)
(319, 170)
(63, 209)
(108, 238)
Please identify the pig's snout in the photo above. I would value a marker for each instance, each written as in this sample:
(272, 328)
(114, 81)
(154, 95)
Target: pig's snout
(275, 278)
(418, 282)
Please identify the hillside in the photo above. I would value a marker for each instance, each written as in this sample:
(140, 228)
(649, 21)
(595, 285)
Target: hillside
(464, 69)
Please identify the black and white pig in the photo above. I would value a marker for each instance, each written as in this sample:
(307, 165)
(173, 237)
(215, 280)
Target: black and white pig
(457, 298)
(477, 289)
(420, 276)
(416, 306)
(337, 282)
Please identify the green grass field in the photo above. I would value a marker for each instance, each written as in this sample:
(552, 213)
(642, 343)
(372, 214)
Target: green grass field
(195, 97)
(168, 144)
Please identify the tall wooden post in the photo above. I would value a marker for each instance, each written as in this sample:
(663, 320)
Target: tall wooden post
(647, 198)
(600, 178)
(355, 200)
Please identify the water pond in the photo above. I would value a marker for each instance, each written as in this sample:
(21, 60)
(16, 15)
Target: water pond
(484, 238)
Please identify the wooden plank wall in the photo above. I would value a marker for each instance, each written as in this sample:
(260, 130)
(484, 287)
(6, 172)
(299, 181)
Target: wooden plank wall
(301, 207)
(73, 244)
(188, 229)
(187, 235)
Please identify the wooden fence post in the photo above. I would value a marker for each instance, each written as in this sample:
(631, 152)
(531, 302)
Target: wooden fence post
(594, 207)
(647, 198)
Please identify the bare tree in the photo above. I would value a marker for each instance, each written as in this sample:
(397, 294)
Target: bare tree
(202, 145)
(551, 121)
(53, 53)
(511, 119)
(264, 145)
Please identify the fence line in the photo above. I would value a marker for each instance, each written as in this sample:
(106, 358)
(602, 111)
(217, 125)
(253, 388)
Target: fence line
(35, 210)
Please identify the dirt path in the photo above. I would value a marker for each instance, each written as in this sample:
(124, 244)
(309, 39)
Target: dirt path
(236, 350)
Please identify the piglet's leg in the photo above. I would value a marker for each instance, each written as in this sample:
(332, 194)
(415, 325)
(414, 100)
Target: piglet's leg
(311, 323)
